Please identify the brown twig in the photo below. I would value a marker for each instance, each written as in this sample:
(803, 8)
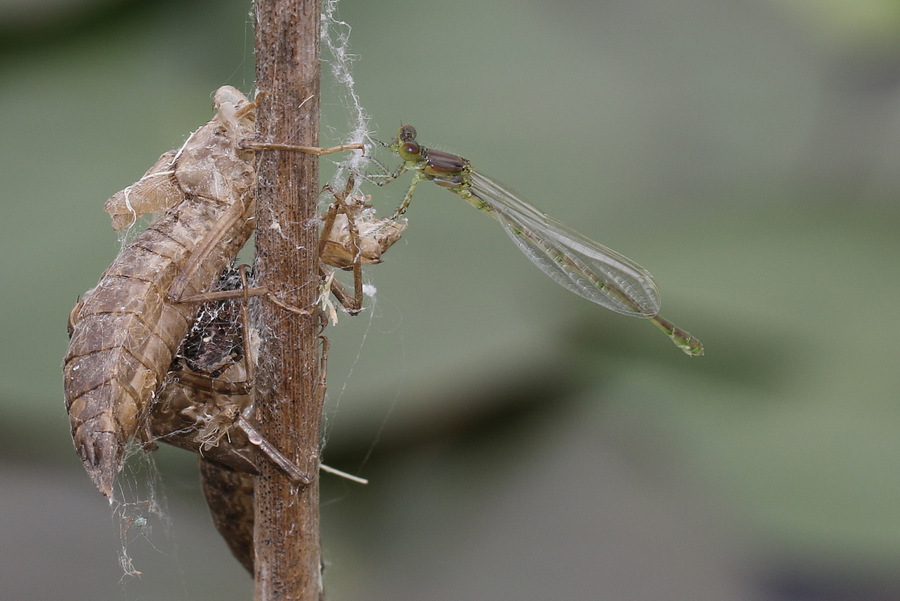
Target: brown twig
(288, 557)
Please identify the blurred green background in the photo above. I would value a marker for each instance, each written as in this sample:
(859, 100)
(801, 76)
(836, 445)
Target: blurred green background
(521, 442)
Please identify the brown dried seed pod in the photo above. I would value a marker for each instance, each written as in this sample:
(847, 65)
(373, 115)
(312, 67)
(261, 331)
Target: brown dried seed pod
(125, 331)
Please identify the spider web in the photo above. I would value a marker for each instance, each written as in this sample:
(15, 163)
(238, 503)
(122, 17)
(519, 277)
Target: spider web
(138, 505)
(335, 37)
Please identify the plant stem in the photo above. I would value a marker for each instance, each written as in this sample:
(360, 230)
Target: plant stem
(286, 537)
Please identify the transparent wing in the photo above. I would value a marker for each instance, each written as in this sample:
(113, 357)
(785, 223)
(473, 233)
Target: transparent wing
(577, 263)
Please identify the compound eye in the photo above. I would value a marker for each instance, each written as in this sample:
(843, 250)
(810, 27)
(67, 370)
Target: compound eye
(409, 150)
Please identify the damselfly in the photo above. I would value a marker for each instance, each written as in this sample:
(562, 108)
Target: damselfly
(579, 264)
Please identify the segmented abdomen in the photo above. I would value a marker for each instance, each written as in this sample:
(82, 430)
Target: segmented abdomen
(125, 331)
(229, 494)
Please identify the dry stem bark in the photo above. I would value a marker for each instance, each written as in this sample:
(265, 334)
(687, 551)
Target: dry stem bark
(287, 553)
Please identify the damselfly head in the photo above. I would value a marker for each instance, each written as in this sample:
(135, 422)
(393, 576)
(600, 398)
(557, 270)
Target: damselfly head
(405, 143)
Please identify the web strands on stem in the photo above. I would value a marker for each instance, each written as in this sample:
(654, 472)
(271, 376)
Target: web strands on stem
(335, 35)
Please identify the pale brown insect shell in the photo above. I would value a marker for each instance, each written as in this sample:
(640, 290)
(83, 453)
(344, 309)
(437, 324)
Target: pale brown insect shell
(126, 330)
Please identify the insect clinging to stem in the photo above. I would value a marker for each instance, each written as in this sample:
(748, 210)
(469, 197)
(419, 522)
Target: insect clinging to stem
(124, 331)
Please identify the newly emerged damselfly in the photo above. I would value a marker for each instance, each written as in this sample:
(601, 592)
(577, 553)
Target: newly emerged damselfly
(577, 263)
